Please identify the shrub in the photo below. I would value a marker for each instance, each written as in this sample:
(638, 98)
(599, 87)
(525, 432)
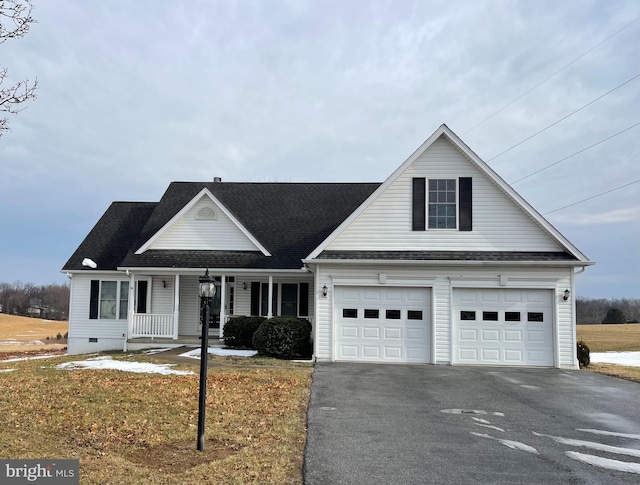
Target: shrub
(238, 331)
(59, 336)
(283, 337)
(583, 354)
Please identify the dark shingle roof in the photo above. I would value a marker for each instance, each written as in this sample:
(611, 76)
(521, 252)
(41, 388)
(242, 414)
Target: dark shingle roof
(288, 219)
(110, 239)
(498, 256)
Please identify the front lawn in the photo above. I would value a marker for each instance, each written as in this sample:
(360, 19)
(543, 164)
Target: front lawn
(128, 428)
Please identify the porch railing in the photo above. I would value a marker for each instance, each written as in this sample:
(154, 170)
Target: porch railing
(158, 325)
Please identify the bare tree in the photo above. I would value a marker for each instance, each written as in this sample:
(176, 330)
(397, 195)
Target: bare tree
(15, 21)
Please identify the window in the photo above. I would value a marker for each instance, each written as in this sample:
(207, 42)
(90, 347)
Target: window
(512, 316)
(349, 313)
(467, 315)
(289, 303)
(372, 313)
(490, 316)
(289, 299)
(442, 204)
(109, 300)
(392, 314)
(535, 317)
(414, 315)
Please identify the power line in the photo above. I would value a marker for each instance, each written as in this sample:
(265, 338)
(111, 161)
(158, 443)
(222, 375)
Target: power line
(574, 154)
(550, 76)
(564, 118)
(592, 197)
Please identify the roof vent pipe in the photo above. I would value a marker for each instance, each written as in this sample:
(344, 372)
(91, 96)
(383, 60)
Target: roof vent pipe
(217, 179)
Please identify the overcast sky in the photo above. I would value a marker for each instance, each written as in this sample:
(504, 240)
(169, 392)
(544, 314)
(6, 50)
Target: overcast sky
(136, 94)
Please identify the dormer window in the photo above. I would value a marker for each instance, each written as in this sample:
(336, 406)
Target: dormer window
(206, 214)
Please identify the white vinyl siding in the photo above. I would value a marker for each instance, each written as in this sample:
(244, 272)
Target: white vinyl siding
(498, 222)
(162, 295)
(189, 232)
(110, 333)
(443, 280)
(189, 306)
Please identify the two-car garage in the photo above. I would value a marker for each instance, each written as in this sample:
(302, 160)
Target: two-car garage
(491, 326)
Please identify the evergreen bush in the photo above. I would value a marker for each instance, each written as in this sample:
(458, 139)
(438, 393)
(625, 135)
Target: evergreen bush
(238, 331)
(283, 338)
(583, 354)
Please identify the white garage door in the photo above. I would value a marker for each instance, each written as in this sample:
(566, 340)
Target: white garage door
(382, 324)
(502, 327)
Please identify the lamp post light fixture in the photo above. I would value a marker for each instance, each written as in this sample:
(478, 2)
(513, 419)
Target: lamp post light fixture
(206, 291)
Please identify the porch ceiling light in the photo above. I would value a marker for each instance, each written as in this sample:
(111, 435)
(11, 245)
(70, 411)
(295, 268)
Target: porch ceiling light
(206, 286)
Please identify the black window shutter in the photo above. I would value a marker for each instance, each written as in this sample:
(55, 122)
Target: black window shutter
(466, 204)
(304, 300)
(93, 302)
(419, 204)
(255, 298)
(142, 297)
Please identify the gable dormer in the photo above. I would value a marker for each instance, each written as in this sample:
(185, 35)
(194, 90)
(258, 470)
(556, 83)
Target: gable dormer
(204, 224)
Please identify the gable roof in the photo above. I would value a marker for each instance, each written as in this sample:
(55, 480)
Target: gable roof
(445, 131)
(288, 219)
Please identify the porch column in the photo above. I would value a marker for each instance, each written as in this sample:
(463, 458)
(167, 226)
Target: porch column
(270, 300)
(223, 299)
(131, 306)
(176, 305)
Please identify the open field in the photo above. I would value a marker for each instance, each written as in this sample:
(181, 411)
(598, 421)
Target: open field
(612, 338)
(609, 338)
(130, 428)
(23, 333)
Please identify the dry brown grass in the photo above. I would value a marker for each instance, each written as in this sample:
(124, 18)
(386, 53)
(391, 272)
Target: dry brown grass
(16, 333)
(621, 371)
(608, 338)
(141, 428)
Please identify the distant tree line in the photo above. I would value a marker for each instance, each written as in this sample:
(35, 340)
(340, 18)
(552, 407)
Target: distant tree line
(28, 300)
(604, 310)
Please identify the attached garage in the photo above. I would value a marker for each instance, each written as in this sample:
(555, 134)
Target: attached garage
(503, 327)
(382, 324)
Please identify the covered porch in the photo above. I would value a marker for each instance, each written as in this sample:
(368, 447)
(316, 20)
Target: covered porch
(164, 309)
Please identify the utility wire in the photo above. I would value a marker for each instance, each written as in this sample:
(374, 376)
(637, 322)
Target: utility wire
(592, 197)
(564, 118)
(550, 76)
(574, 154)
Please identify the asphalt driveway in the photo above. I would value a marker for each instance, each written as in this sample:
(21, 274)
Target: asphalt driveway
(404, 424)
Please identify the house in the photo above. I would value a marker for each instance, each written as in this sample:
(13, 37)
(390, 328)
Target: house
(442, 263)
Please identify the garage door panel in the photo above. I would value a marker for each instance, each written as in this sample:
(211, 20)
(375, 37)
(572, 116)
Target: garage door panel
(382, 324)
(490, 335)
(371, 333)
(503, 326)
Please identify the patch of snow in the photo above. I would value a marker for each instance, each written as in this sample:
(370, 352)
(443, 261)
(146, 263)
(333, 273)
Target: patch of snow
(106, 362)
(514, 445)
(490, 426)
(29, 358)
(593, 445)
(610, 433)
(631, 359)
(481, 420)
(6, 370)
(154, 351)
(470, 411)
(621, 466)
(195, 354)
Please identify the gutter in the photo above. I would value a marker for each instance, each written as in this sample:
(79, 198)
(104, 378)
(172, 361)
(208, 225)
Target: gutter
(448, 262)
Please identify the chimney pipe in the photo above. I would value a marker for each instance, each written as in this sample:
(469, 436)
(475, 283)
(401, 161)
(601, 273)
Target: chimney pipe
(217, 179)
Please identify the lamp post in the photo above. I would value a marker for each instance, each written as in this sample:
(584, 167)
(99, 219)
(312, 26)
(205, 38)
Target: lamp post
(206, 290)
